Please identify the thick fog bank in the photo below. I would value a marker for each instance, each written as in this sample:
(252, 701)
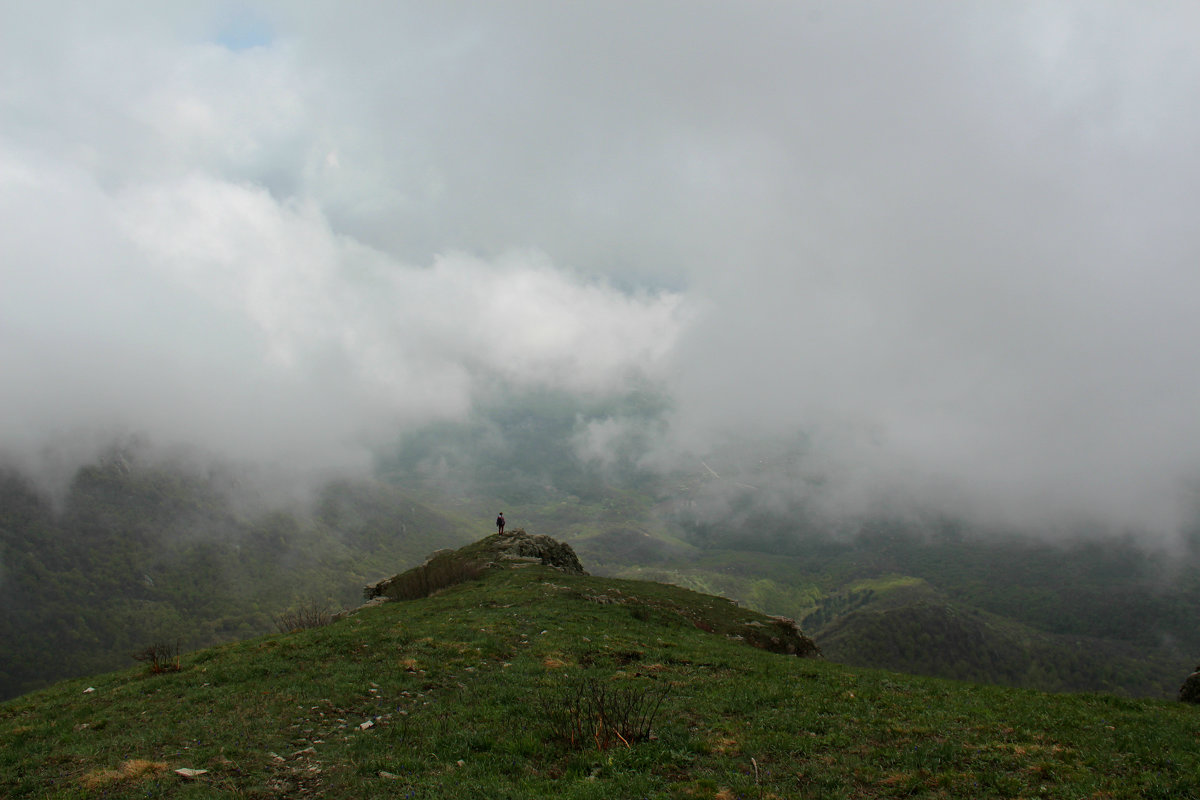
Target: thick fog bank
(943, 255)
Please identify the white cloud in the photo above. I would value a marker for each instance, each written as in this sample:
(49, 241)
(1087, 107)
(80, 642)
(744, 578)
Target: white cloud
(967, 230)
(310, 290)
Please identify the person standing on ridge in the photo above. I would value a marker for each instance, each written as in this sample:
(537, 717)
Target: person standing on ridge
(500, 523)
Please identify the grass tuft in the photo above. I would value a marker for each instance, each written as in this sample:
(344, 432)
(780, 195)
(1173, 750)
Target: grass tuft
(129, 771)
(586, 712)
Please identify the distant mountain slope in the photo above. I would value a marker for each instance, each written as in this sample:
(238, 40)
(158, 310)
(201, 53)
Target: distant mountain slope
(916, 629)
(512, 687)
(142, 552)
(989, 610)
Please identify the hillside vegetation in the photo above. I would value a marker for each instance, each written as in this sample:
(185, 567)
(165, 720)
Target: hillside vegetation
(470, 693)
(138, 552)
(141, 548)
(1076, 616)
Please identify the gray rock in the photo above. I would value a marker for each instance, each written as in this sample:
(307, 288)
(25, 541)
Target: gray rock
(520, 545)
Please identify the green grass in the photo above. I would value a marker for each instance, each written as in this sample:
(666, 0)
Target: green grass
(886, 583)
(451, 684)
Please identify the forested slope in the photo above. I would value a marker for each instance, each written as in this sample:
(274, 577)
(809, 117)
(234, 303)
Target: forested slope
(138, 553)
(1086, 615)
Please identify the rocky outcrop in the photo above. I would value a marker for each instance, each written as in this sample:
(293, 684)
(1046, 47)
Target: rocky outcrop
(784, 636)
(1190, 691)
(520, 546)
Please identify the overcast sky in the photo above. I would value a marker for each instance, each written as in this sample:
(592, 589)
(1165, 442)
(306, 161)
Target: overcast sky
(956, 245)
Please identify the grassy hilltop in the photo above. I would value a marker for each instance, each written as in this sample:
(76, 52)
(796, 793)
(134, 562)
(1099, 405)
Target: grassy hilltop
(488, 689)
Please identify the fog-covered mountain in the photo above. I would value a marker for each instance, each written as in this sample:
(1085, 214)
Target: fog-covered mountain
(144, 546)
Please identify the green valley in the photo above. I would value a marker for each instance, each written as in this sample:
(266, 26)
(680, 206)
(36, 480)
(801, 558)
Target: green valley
(461, 695)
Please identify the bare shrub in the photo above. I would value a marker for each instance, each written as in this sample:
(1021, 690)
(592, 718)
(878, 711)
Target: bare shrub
(307, 615)
(160, 656)
(586, 712)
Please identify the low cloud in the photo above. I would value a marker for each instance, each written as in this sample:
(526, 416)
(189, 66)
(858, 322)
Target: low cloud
(210, 313)
(950, 248)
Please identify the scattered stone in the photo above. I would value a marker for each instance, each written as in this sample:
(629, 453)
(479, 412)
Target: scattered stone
(368, 724)
(189, 773)
(89, 690)
(391, 776)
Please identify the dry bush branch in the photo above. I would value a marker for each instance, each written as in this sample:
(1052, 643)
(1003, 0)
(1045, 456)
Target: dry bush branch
(590, 711)
(307, 615)
(161, 656)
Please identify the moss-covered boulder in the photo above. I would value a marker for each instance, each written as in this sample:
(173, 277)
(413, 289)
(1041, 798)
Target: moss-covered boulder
(1190, 691)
